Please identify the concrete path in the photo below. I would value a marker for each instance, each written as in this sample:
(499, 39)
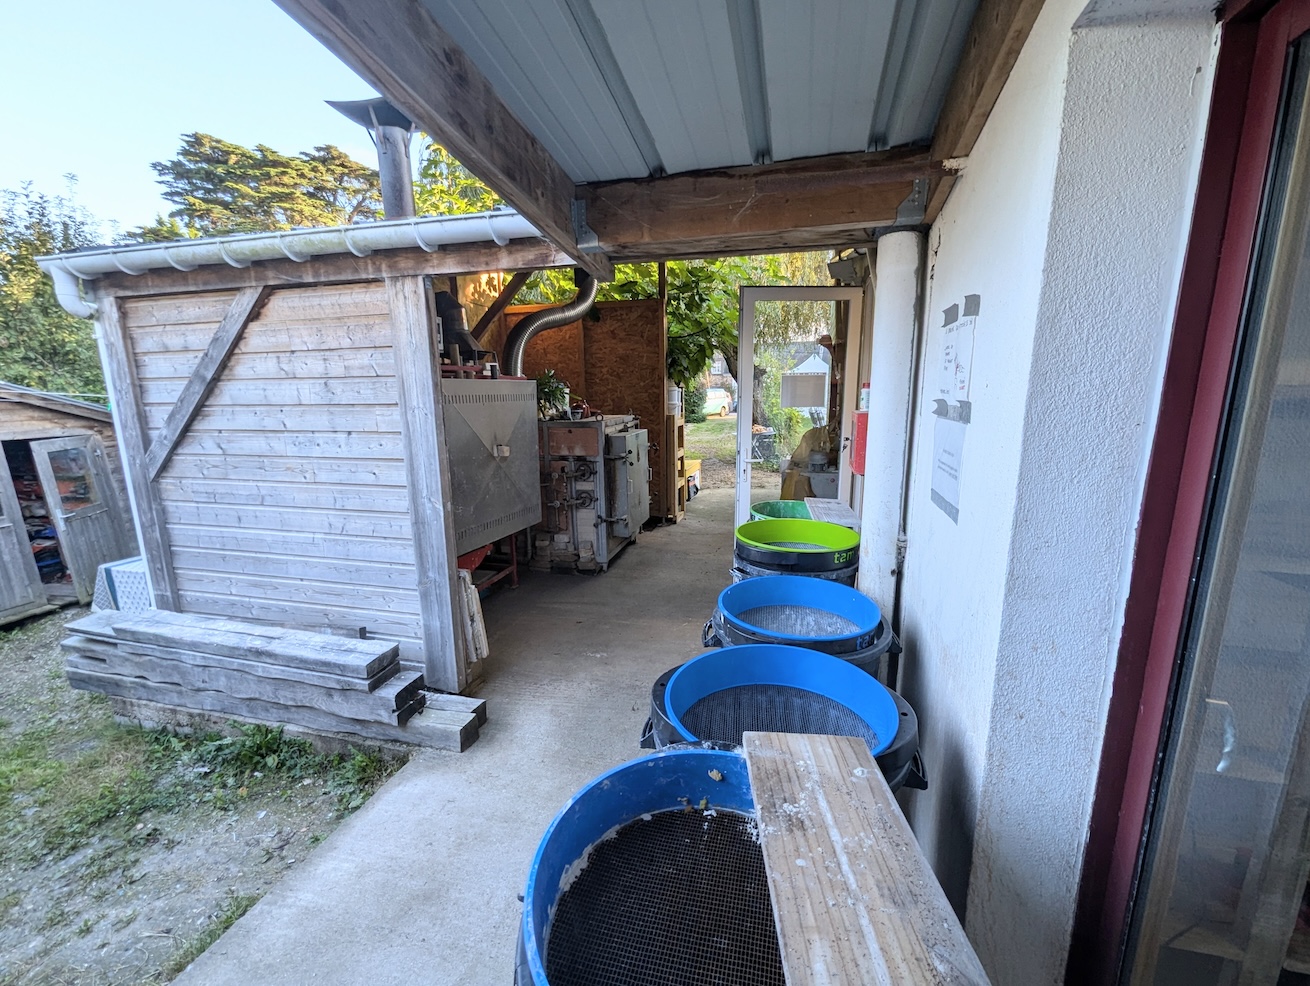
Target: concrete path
(421, 884)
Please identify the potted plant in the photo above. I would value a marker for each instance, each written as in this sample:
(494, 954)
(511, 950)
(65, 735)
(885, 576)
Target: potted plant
(552, 396)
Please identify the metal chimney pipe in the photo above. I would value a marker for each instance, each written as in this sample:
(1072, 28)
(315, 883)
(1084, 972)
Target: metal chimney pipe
(391, 130)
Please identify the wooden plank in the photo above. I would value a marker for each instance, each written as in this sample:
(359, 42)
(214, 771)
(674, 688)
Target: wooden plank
(459, 703)
(321, 393)
(287, 444)
(272, 645)
(428, 473)
(390, 568)
(388, 504)
(99, 646)
(501, 302)
(107, 625)
(203, 310)
(327, 330)
(854, 899)
(746, 208)
(349, 703)
(343, 537)
(124, 391)
(394, 600)
(364, 418)
(404, 628)
(398, 47)
(245, 306)
(330, 361)
(406, 688)
(470, 258)
(371, 473)
(441, 730)
(996, 36)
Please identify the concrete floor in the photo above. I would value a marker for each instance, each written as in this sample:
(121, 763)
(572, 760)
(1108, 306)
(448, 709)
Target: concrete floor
(421, 884)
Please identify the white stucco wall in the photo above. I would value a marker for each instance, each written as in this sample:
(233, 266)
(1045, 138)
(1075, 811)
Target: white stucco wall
(990, 240)
(1069, 223)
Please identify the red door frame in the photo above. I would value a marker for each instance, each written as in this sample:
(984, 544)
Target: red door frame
(1243, 114)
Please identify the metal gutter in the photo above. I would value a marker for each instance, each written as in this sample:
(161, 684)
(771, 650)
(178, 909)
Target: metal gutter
(243, 249)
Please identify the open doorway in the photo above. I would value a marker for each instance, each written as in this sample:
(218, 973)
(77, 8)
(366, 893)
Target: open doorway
(798, 355)
(52, 566)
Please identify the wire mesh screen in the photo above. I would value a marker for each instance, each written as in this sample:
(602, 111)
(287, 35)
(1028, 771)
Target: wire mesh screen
(802, 621)
(678, 899)
(724, 715)
(804, 545)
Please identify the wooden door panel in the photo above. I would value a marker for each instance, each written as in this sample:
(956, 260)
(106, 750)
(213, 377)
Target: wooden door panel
(21, 591)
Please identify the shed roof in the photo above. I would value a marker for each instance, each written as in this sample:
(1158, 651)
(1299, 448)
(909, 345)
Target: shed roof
(13, 393)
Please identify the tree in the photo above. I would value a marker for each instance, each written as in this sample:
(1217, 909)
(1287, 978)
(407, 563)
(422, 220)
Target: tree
(220, 187)
(41, 345)
(447, 188)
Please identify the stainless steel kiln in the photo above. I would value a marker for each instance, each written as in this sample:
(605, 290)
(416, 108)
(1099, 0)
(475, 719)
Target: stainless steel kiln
(491, 432)
(595, 481)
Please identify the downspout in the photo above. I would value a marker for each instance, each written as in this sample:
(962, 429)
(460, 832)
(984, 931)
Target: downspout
(548, 318)
(68, 292)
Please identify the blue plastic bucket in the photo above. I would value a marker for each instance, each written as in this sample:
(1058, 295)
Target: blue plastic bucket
(794, 609)
(775, 687)
(669, 781)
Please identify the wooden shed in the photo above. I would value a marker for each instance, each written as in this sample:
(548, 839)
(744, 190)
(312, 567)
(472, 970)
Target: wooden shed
(279, 398)
(63, 505)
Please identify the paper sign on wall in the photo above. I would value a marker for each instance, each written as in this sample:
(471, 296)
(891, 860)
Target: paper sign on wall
(952, 405)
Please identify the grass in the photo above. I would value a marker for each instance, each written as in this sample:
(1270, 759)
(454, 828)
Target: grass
(236, 906)
(714, 438)
(61, 788)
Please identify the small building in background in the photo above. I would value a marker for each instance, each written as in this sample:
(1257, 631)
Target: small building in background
(63, 503)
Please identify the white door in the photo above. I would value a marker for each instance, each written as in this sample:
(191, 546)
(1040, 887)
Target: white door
(75, 478)
(755, 447)
(21, 591)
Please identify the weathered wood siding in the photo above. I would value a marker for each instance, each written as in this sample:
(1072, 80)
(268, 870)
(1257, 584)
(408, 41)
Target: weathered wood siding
(31, 423)
(286, 499)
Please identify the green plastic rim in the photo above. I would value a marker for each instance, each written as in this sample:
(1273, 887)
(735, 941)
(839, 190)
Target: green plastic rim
(774, 534)
(780, 510)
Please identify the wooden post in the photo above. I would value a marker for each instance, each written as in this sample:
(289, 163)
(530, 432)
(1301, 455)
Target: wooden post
(418, 377)
(129, 420)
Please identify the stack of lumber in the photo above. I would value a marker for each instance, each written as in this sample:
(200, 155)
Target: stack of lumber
(316, 681)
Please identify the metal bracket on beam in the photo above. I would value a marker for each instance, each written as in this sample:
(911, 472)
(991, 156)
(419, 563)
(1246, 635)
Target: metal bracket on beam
(911, 211)
(588, 241)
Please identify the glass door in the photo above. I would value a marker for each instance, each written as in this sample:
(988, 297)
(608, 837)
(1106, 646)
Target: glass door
(1223, 895)
(794, 401)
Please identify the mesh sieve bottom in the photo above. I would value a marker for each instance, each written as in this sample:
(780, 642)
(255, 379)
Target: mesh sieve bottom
(724, 715)
(805, 621)
(679, 900)
(803, 545)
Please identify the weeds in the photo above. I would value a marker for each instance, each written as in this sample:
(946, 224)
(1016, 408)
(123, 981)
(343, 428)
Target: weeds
(237, 905)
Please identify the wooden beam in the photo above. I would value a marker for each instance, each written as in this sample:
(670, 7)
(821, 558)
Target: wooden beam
(245, 306)
(812, 201)
(474, 258)
(996, 36)
(503, 301)
(398, 47)
(427, 468)
(129, 420)
(854, 899)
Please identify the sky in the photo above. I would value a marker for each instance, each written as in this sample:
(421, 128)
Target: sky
(101, 89)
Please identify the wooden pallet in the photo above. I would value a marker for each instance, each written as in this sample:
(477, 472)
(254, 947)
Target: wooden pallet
(854, 899)
(316, 681)
(675, 465)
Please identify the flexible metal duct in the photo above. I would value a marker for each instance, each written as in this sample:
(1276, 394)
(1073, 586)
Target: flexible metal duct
(548, 318)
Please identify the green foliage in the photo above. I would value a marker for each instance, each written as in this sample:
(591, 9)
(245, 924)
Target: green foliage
(552, 395)
(694, 403)
(447, 188)
(220, 187)
(41, 345)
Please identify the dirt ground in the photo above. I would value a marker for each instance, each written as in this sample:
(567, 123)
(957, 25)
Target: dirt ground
(124, 853)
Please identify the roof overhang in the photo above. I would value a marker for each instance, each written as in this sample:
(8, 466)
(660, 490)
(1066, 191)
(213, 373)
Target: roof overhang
(648, 130)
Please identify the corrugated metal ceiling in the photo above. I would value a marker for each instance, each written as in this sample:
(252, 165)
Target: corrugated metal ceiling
(628, 88)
